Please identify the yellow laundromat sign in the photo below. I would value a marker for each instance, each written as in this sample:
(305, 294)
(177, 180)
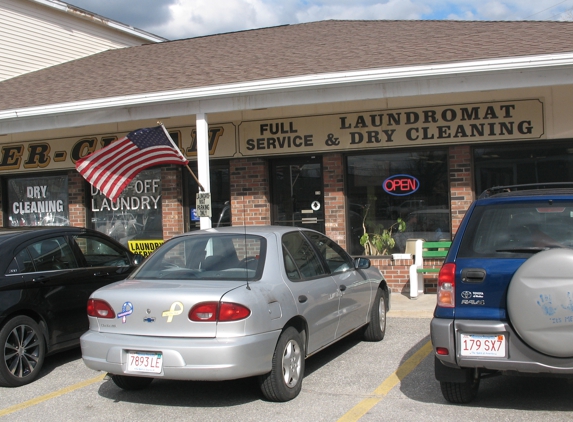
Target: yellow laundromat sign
(144, 247)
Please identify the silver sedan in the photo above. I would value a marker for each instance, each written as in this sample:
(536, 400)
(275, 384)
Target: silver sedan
(234, 302)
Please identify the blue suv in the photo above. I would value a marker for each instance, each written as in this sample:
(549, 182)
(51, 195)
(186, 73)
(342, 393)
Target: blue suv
(505, 291)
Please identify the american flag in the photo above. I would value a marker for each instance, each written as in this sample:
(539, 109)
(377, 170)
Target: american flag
(112, 168)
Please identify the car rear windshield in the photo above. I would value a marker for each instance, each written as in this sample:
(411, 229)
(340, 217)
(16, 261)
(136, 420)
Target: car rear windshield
(513, 230)
(213, 257)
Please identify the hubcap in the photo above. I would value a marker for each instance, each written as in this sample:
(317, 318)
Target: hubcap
(22, 351)
(291, 363)
(382, 313)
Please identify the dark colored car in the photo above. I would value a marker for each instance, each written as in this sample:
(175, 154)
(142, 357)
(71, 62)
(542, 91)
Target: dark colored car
(46, 278)
(505, 291)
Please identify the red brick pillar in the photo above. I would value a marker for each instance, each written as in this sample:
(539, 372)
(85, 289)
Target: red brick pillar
(334, 206)
(461, 192)
(250, 204)
(172, 201)
(77, 199)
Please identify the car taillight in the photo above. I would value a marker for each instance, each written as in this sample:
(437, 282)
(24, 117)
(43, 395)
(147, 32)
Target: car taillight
(447, 286)
(215, 311)
(233, 312)
(202, 312)
(100, 309)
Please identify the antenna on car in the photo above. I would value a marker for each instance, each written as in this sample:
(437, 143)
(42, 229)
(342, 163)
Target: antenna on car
(245, 243)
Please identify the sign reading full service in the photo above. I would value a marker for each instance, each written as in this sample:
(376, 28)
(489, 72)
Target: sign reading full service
(500, 121)
(449, 124)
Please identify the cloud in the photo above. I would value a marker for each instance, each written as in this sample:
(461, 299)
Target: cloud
(192, 18)
(137, 13)
(176, 19)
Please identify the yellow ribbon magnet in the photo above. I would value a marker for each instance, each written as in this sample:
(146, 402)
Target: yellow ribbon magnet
(176, 309)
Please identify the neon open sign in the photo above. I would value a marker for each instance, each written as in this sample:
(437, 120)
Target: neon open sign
(401, 185)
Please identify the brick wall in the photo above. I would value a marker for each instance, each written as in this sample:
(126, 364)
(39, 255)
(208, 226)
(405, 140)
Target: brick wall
(250, 203)
(461, 182)
(172, 200)
(76, 199)
(334, 203)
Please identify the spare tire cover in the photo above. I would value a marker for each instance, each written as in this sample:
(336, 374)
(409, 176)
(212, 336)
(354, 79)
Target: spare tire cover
(540, 302)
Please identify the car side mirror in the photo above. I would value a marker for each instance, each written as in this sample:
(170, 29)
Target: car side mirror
(138, 259)
(361, 263)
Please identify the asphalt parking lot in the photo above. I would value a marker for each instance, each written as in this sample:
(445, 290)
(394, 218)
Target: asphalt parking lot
(350, 381)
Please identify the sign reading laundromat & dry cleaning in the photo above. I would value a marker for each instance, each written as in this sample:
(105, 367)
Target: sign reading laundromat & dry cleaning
(500, 121)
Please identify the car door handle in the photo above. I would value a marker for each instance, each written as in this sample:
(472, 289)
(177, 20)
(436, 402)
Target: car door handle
(473, 275)
(100, 274)
(302, 298)
(40, 279)
(342, 287)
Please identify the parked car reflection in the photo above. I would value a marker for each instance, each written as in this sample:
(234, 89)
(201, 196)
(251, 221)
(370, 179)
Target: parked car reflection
(428, 224)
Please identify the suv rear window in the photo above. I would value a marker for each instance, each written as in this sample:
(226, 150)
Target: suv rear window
(513, 230)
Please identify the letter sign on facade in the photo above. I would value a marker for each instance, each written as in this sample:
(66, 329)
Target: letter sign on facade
(401, 185)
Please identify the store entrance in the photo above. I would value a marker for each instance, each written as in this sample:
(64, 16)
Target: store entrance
(297, 192)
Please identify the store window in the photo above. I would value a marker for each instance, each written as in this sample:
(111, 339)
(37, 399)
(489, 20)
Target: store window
(220, 196)
(38, 201)
(135, 219)
(412, 186)
(516, 164)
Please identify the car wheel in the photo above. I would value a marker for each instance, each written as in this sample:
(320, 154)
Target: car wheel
(540, 302)
(23, 351)
(284, 382)
(376, 328)
(131, 383)
(460, 392)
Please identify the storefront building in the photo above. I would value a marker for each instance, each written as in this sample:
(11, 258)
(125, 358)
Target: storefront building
(344, 153)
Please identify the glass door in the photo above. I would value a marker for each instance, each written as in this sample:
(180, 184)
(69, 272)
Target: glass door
(297, 192)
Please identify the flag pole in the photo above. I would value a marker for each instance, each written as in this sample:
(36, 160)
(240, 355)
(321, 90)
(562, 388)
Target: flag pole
(195, 177)
(182, 156)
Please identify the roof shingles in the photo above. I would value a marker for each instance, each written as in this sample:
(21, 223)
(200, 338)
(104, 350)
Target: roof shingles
(282, 51)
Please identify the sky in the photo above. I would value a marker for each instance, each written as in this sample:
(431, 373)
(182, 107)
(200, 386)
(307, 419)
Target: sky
(177, 19)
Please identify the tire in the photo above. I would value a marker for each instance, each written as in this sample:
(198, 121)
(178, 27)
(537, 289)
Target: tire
(460, 392)
(284, 382)
(540, 302)
(131, 383)
(23, 351)
(376, 328)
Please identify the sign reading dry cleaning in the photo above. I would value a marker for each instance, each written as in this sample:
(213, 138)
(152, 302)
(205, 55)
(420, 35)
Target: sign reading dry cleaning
(203, 206)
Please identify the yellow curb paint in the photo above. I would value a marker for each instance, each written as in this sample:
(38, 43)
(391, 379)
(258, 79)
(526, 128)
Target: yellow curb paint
(45, 397)
(389, 383)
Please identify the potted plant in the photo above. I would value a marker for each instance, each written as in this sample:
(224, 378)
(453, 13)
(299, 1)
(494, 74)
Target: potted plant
(379, 240)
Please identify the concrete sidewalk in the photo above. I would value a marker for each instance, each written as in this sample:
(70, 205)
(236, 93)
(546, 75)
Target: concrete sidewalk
(401, 306)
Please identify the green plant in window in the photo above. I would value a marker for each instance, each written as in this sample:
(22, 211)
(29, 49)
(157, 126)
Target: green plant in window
(378, 240)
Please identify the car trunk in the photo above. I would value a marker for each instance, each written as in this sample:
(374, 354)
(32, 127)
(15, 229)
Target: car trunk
(161, 308)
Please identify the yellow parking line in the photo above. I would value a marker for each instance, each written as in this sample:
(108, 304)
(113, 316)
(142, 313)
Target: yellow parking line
(389, 383)
(61, 392)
